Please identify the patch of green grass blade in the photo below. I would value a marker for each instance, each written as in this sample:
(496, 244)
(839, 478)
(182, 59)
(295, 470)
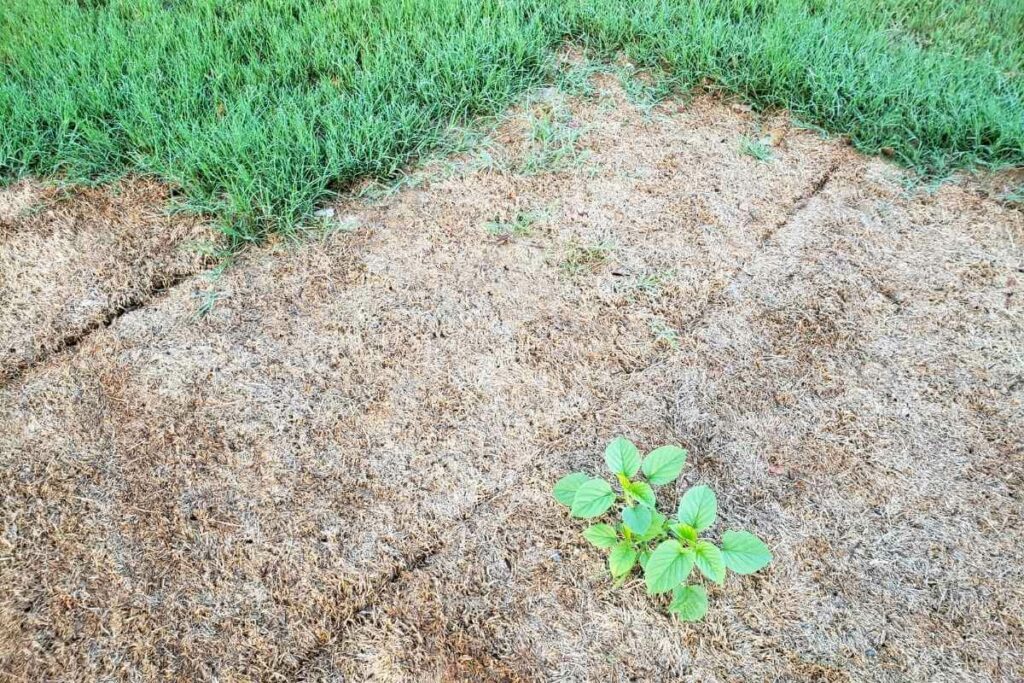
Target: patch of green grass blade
(257, 110)
(260, 109)
(553, 140)
(664, 333)
(520, 226)
(645, 89)
(583, 258)
(756, 149)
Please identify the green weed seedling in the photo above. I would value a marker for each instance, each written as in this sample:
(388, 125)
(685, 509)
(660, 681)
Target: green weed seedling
(666, 549)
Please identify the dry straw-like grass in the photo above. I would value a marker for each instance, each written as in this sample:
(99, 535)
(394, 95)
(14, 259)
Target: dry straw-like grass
(73, 259)
(342, 472)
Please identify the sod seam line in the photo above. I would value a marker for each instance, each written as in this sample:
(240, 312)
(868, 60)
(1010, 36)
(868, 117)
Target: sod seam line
(361, 612)
(717, 297)
(69, 343)
(795, 210)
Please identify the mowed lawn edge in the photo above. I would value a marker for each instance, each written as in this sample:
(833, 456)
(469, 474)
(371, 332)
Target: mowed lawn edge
(256, 111)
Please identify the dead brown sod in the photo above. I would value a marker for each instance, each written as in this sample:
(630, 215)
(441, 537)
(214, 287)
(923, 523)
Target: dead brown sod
(823, 414)
(343, 471)
(71, 260)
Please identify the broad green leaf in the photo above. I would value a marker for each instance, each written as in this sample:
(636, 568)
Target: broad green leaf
(698, 508)
(689, 603)
(663, 465)
(637, 518)
(642, 491)
(622, 457)
(686, 532)
(621, 559)
(593, 499)
(655, 529)
(644, 556)
(743, 552)
(566, 487)
(601, 535)
(709, 561)
(668, 566)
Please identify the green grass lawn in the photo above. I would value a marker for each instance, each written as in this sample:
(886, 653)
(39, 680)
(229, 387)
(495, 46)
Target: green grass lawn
(258, 109)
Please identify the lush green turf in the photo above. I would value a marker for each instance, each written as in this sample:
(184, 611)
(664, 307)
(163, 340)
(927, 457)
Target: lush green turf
(257, 109)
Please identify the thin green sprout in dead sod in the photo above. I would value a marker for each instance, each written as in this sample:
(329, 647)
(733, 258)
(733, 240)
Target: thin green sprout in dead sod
(666, 549)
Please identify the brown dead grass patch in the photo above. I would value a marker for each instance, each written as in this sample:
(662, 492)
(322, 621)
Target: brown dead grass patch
(70, 260)
(343, 471)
